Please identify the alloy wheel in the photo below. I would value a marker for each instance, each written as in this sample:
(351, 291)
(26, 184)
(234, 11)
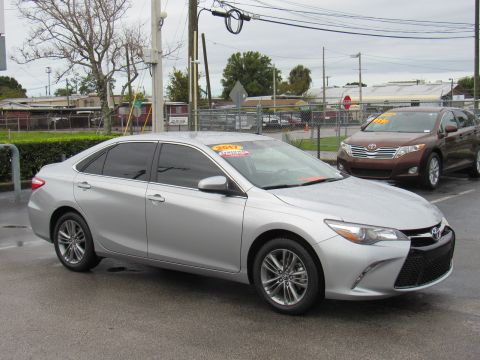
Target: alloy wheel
(284, 277)
(478, 161)
(71, 241)
(434, 171)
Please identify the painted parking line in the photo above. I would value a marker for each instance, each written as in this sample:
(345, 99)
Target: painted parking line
(452, 196)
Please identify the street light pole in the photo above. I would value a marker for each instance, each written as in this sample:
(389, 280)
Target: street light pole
(451, 91)
(157, 71)
(360, 98)
(48, 70)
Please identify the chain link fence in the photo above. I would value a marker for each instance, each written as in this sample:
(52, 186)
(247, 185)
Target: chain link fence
(308, 127)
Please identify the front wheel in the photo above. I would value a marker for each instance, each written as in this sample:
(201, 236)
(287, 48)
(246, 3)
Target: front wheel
(431, 175)
(73, 243)
(286, 276)
(475, 172)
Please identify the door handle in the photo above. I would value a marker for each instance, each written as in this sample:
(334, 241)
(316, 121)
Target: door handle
(156, 197)
(84, 185)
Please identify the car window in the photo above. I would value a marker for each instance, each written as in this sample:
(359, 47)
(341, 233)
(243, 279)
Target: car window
(470, 119)
(462, 119)
(129, 160)
(184, 166)
(447, 119)
(96, 166)
(403, 121)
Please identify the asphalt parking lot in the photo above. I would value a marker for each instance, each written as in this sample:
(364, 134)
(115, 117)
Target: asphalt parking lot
(126, 311)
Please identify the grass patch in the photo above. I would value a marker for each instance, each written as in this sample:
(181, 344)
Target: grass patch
(41, 136)
(326, 144)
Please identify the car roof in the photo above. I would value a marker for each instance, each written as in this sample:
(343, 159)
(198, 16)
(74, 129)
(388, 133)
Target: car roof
(434, 109)
(198, 137)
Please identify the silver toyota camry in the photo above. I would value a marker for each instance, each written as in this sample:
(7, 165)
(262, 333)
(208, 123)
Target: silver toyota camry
(241, 207)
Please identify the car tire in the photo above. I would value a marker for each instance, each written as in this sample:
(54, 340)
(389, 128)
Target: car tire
(475, 171)
(74, 244)
(432, 171)
(286, 277)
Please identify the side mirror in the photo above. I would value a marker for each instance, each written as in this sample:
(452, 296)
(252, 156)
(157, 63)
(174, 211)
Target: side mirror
(214, 184)
(451, 128)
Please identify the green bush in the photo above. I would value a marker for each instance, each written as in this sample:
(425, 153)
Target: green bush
(35, 153)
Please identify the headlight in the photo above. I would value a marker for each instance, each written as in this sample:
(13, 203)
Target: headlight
(364, 234)
(347, 148)
(408, 149)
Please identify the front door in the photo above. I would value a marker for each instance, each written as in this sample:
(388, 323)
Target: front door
(187, 226)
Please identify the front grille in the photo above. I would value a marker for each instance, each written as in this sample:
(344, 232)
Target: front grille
(426, 262)
(372, 173)
(380, 153)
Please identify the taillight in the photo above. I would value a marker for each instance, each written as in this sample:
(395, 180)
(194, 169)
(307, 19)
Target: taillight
(37, 183)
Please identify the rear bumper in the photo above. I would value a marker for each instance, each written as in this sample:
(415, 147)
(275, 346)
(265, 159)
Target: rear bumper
(394, 169)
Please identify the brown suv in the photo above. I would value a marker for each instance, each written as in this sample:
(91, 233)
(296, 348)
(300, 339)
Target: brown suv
(414, 143)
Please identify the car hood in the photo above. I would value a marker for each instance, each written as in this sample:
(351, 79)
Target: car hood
(393, 139)
(364, 202)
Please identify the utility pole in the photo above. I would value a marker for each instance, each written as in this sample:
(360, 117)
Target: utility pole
(157, 70)
(323, 101)
(451, 91)
(207, 74)
(192, 54)
(130, 95)
(476, 80)
(68, 95)
(274, 90)
(48, 70)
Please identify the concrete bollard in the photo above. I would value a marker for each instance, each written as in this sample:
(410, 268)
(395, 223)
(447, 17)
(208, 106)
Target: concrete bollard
(15, 169)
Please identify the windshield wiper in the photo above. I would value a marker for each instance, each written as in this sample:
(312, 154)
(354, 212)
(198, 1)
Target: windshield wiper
(318, 181)
(280, 186)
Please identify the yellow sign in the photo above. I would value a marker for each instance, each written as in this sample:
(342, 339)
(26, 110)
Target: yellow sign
(380, 121)
(223, 147)
(388, 114)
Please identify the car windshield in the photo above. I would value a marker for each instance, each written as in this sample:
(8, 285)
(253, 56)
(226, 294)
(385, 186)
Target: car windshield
(272, 164)
(404, 122)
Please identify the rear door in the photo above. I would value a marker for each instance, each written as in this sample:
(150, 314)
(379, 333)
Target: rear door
(111, 192)
(188, 226)
(451, 141)
(467, 137)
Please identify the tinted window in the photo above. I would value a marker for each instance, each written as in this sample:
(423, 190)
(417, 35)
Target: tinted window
(470, 119)
(96, 166)
(447, 119)
(184, 166)
(462, 119)
(129, 160)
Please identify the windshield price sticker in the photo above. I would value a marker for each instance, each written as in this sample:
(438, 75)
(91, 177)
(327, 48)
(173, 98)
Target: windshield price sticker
(233, 153)
(388, 114)
(225, 147)
(380, 121)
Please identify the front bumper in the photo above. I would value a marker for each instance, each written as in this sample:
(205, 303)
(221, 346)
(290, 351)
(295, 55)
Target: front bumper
(394, 169)
(384, 269)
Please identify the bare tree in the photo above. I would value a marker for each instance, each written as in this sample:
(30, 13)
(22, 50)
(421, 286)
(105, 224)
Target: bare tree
(83, 33)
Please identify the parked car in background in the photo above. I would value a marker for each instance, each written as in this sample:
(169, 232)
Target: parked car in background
(274, 120)
(242, 207)
(418, 143)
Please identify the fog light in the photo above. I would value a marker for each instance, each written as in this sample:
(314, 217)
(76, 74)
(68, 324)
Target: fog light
(340, 167)
(413, 170)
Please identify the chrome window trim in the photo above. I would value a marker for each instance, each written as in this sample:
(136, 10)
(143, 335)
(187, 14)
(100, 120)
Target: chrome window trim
(227, 175)
(74, 166)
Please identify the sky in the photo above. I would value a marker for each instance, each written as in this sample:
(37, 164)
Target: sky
(383, 59)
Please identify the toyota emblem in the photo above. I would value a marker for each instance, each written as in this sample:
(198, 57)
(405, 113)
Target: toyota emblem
(436, 233)
(372, 146)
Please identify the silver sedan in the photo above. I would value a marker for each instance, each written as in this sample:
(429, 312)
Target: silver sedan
(241, 207)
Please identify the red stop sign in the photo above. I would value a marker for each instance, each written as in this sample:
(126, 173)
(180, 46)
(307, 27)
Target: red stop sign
(347, 101)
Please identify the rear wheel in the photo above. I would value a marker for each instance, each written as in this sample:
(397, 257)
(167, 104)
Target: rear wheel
(73, 243)
(286, 276)
(433, 169)
(475, 172)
